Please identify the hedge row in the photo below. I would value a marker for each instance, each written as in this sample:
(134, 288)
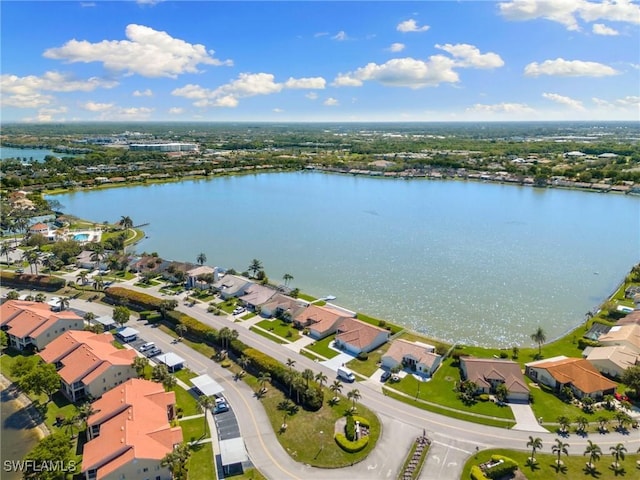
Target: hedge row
(476, 473)
(40, 282)
(132, 299)
(351, 447)
(507, 467)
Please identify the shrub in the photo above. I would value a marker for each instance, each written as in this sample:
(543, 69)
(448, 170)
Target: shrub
(363, 356)
(585, 342)
(39, 282)
(504, 354)
(476, 473)
(483, 397)
(132, 299)
(225, 364)
(507, 467)
(351, 447)
(350, 428)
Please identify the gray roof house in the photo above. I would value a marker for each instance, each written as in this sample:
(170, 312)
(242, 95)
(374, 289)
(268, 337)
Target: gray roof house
(256, 295)
(232, 286)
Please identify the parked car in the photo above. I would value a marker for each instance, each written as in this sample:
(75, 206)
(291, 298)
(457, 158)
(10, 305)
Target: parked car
(220, 399)
(19, 270)
(238, 310)
(385, 376)
(147, 346)
(153, 352)
(221, 407)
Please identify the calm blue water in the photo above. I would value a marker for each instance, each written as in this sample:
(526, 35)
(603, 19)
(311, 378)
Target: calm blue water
(469, 262)
(31, 154)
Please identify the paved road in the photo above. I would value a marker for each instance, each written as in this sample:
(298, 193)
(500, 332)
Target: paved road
(453, 440)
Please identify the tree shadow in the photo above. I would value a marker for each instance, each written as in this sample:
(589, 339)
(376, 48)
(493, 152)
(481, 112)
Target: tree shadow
(559, 468)
(618, 471)
(533, 465)
(591, 471)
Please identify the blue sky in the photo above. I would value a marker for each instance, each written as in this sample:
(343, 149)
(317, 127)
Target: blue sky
(320, 61)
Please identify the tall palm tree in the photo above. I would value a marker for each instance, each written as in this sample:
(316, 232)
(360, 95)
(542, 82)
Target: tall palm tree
(63, 303)
(201, 258)
(307, 374)
(336, 387)
(564, 423)
(97, 254)
(177, 461)
(582, 424)
(321, 378)
(539, 336)
(181, 329)
(298, 385)
(126, 223)
(140, 364)
(354, 395)
(5, 248)
(69, 424)
(244, 361)
(560, 448)
(286, 406)
(98, 282)
(223, 334)
(255, 266)
(287, 277)
(291, 363)
(84, 412)
(594, 452)
(31, 256)
(83, 276)
(204, 404)
(618, 453)
(263, 378)
(534, 444)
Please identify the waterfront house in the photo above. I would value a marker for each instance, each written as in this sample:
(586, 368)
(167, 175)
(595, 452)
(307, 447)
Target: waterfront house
(631, 318)
(88, 363)
(611, 360)
(418, 357)
(232, 286)
(576, 373)
(356, 337)
(321, 321)
(488, 373)
(282, 306)
(130, 433)
(195, 276)
(256, 295)
(623, 335)
(39, 229)
(33, 324)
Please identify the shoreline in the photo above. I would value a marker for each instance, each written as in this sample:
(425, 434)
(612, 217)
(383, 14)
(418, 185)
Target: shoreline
(22, 401)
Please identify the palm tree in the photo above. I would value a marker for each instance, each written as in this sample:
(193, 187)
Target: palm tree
(336, 388)
(5, 248)
(298, 385)
(84, 412)
(126, 223)
(244, 362)
(201, 259)
(140, 364)
(89, 317)
(307, 374)
(97, 254)
(535, 444)
(594, 452)
(603, 421)
(263, 378)
(622, 419)
(564, 424)
(204, 404)
(177, 461)
(539, 336)
(287, 277)
(321, 378)
(64, 303)
(69, 424)
(40, 297)
(233, 335)
(291, 363)
(354, 395)
(255, 266)
(559, 449)
(31, 256)
(83, 276)
(98, 282)
(618, 453)
(582, 424)
(223, 334)
(286, 406)
(181, 330)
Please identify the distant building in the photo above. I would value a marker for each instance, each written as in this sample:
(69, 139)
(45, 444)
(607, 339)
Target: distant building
(163, 147)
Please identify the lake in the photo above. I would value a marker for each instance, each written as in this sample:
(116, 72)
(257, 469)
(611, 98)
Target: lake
(31, 154)
(462, 261)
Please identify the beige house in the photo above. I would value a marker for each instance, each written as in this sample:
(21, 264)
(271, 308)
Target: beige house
(623, 335)
(282, 306)
(33, 324)
(355, 336)
(130, 433)
(576, 373)
(488, 373)
(88, 363)
(321, 321)
(232, 286)
(194, 273)
(418, 357)
(612, 360)
(255, 295)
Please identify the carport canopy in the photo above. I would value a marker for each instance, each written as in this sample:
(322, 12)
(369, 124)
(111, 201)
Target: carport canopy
(171, 360)
(128, 334)
(207, 385)
(232, 451)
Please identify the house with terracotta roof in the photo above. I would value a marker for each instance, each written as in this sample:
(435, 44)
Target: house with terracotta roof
(33, 324)
(623, 335)
(355, 336)
(39, 229)
(88, 363)
(321, 321)
(488, 373)
(255, 295)
(418, 357)
(611, 360)
(130, 433)
(282, 306)
(576, 373)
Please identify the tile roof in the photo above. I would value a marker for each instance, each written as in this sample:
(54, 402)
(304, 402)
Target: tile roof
(134, 424)
(31, 318)
(257, 294)
(630, 318)
(357, 333)
(285, 303)
(620, 355)
(579, 372)
(482, 370)
(624, 333)
(423, 354)
(320, 319)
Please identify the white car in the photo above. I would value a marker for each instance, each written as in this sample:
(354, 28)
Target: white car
(238, 310)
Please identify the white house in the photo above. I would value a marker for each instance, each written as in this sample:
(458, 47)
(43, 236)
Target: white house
(418, 357)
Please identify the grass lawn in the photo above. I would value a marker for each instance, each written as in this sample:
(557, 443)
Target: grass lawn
(227, 306)
(248, 474)
(186, 401)
(545, 469)
(248, 316)
(194, 429)
(370, 365)
(321, 347)
(201, 462)
(308, 298)
(376, 322)
(273, 338)
(185, 375)
(309, 435)
(200, 347)
(308, 354)
(280, 328)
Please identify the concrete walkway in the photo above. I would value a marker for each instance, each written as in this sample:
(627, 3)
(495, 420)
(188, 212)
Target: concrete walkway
(525, 419)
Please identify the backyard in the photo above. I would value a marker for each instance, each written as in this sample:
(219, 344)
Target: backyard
(321, 347)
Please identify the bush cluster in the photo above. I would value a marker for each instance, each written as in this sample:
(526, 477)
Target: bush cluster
(348, 446)
(132, 299)
(507, 467)
(39, 282)
(350, 428)
(476, 473)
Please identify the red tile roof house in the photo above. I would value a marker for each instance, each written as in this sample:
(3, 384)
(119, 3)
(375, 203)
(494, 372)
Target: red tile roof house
(575, 373)
(321, 321)
(488, 373)
(355, 336)
(88, 363)
(130, 433)
(34, 324)
(415, 356)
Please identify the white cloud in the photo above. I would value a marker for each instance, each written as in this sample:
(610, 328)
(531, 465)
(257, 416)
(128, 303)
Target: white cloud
(312, 95)
(311, 82)
(45, 115)
(567, 12)
(601, 29)
(601, 103)
(403, 72)
(143, 93)
(278, 110)
(131, 113)
(331, 102)
(320, 34)
(396, 47)
(246, 85)
(87, 4)
(469, 56)
(561, 99)
(147, 52)
(411, 26)
(630, 101)
(568, 68)
(27, 92)
(340, 36)
(501, 108)
(176, 110)
(97, 107)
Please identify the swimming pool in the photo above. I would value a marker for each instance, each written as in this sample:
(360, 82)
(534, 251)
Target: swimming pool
(81, 237)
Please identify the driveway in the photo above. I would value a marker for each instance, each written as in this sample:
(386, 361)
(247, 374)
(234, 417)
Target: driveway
(525, 419)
